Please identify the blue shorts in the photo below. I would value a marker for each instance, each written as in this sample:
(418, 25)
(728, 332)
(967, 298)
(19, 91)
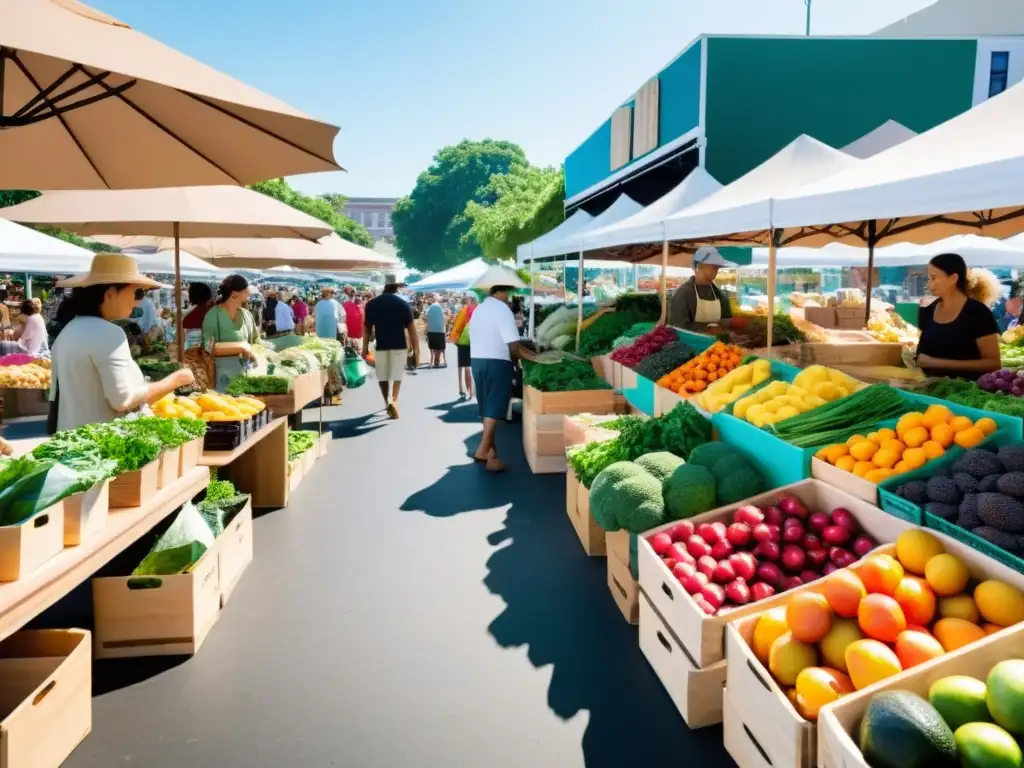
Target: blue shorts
(493, 379)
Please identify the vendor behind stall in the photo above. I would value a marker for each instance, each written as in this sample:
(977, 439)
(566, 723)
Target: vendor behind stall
(229, 330)
(699, 302)
(94, 377)
(959, 333)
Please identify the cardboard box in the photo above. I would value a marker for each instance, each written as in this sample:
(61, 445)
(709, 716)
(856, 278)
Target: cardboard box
(45, 696)
(582, 401)
(85, 514)
(156, 615)
(133, 489)
(26, 546)
(821, 316)
(697, 693)
(234, 551)
(189, 456)
(168, 467)
(624, 588)
(577, 507)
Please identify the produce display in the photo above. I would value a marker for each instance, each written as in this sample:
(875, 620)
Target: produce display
(598, 337)
(156, 367)
(706, 368)
(841, 419)
(645, 345)
(970, 394)
(963, 722)
(877, 619)
(1004, 380)
(664, 361)
(647, 304)
(634, 331)
(751, 331)
(300, 441)
(33, 375)
(208, 406)
(259, 385)
(918, 438)
(569, 375)
(982, 491)
(763, 551)
(328, 352)
(733, 385)
(28, 485)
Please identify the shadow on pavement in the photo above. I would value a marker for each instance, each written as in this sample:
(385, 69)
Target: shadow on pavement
(558, 605)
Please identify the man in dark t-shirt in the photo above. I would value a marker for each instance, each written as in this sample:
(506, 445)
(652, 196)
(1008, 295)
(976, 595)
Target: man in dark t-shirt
(388, 318)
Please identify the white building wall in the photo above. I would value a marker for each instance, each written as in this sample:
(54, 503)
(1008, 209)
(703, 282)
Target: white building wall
(961, 18)
(983, 67)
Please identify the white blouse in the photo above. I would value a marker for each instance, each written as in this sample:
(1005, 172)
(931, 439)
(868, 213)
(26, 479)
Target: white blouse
(93, 373)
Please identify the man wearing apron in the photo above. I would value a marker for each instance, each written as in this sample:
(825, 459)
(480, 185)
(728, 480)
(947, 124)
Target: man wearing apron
(699, 302)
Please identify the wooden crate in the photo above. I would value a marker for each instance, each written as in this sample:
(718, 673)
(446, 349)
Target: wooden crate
(545, 433)
(603, 367)
(85, 514)
(45, 696)
(133, 489)
(868, 352)
(18, 402)
(168, 467)
(782, 733)
(838, 722)
(234, 551)
(582, 428)
(703, 636)
(697, 693)
(156, 615)
(189, 456)
(583, 401)
(740, 742)
(617, 546)
(624, 588)
(845, 481)
(825, 317)
(306, 388)
(577, 506)
(665, 400)
(26, 546)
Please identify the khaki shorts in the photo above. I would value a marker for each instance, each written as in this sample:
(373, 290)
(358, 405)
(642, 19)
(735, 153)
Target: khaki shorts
(390, 364)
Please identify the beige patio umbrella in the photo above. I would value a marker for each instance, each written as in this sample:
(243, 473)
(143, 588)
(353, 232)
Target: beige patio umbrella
(184, 212)
(86, 102)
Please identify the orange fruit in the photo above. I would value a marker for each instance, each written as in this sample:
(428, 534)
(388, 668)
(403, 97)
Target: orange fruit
(936, 414)
(881, 617)
(986, 425)
(846, 463)
(915, 458)
(809, 617)
(932, 449)
(886, 434)
(818, 686)
(878, 475)
(861, 468)
(881, 574)
(869, 661)
(907, 422)
(771, 625)
(969, 438)
(913, 648)
(885, 458)
(956, 633)
(960, 423)
(855, 439)
(916, 599)
(896, 446)
(864, 450)
(916, 437)
(946, 574)
(901, 467)
(991, 629)
(844, 590)
(943, 434)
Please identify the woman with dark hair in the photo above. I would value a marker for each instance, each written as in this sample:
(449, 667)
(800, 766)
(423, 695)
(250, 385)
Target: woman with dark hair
(959, 335)
(229, 330)
(31, 336)
(94, 376)
(200, 296)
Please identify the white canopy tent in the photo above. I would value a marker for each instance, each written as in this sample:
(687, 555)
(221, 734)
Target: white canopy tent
(23, 249)
(163, 262)
(977, 252)
(549, 244)
(458, 278)
(623, 207)
(887, 135)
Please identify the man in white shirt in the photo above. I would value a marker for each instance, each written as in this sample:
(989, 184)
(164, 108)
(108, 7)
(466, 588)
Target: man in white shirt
(150, 317)
(494, 339)
(284, 318)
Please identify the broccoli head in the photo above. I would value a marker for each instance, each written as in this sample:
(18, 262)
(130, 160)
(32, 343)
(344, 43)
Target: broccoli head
(741, 483)
(688, 491)
(660, 464)
(624, 496)
(708, 454)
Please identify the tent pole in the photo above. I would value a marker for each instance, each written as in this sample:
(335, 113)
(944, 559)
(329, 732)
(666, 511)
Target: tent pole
(179, 331)
(771, 288)
(579, 302)
(533, 300)
(872, 237)
(663, 288)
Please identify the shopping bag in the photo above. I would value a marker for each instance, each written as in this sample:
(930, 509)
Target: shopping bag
(355, 369)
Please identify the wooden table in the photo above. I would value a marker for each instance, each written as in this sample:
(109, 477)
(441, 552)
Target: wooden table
(259, 466)
(23, 600)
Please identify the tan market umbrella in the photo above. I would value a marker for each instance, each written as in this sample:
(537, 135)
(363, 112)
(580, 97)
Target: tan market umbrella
(184, 212)
(328, 253)
(86, 102)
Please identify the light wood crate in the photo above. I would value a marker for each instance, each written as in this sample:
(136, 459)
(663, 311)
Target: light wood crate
(168, 467)
(767, 713)
(45, 696)
(577, 506)
(697, 693)
(234, 551)
(189, 456)
(703, 636)
(26, 546)
(85, 514)
(624, 588)
(156, 615)
(583, 401)
(133, 489)
(544, 432)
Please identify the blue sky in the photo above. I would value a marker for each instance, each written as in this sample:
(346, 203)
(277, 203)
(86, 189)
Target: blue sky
(405, 77)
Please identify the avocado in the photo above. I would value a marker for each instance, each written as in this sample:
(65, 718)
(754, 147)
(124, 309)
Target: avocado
(915, 491)
(943, 490)
(960, 700)
(1012, 457)
(984, 745)
(945, 511)
(965, 483)
(1012, 484)
(902, 730)
(1006, 695)
(1001, 511)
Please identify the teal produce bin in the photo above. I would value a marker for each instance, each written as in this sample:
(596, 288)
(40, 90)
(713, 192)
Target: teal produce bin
(698, 342)
(1013, 425)
(641, 396)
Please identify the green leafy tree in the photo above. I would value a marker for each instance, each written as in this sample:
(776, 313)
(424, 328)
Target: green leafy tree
(318, 207)
(431, 225)
(527, 202)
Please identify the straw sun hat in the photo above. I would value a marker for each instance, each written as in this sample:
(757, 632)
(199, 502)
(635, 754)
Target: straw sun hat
(111, 269)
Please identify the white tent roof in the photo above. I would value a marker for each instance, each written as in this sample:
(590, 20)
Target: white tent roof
(547, 244)
(458, 278)
(623, 207)
(648, 224)
(163, 261)
(23, 249)
(741, 212)
(977, 252)
(964, 176)
(887, 135)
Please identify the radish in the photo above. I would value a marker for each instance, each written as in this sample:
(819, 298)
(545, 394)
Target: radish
(769, 573)
(737, 592)
(793, 558)
(810, 542)
(862, 545)
(739, 534)
(697, 547)
(748, 515)
(721, 550)
(761, 591)
(660, 543)
(773, 515)
(836, 535)
(768, 550)
(723, 573)
(818, 521)
(841, 557)
(792, 506)
(844, 517)
(681, 531)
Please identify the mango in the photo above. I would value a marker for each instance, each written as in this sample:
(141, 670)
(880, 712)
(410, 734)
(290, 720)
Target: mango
(869, 661)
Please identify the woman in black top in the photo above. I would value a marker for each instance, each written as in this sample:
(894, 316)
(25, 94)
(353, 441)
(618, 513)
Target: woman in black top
(959, 335)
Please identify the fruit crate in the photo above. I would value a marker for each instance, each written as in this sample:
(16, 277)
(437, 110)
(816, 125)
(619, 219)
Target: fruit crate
(769, 717)
(577, 507)
(702, 637)
(838, 723)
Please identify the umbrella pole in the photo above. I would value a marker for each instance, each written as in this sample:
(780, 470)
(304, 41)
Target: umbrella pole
(179, 331)
(771, 288)
(664, 284)
(872, 236)
(579, 302)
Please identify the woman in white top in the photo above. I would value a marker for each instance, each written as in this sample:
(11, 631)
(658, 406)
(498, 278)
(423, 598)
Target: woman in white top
(94, 377)
(31, 336)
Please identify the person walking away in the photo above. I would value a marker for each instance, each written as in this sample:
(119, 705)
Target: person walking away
(328, 315)
(269, 314)
(494, 339)
(388, 320)
(284, 320)
(436, 341)
(353, 307)
(460, 338)
(699, 302)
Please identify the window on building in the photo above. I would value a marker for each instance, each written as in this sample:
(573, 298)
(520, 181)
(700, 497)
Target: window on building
(387, 220)
(374, 223)
(999, 72)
